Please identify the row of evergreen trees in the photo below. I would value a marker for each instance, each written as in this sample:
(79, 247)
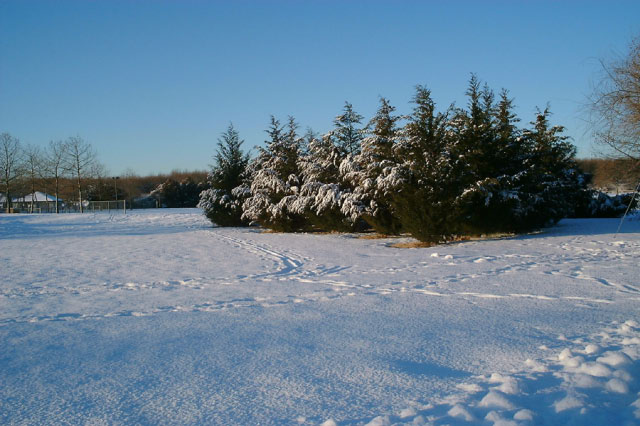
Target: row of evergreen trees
(433, 174)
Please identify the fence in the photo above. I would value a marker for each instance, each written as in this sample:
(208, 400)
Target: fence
(69, 207)
(73, 206)
(28, 207)
(98, 206)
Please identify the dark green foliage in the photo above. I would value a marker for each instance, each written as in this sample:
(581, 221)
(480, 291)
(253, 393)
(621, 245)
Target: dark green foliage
(376, 157)
(539, 185)
(179, 194)
(440, 176)
(222, 202)
(103, 189)
(491, 198)
(423, 185)
(507, 148)
(230, 162)
(553, 182)
(346, 134)
(599, 204)
(478, 173)
(474, 146)
(283, 149)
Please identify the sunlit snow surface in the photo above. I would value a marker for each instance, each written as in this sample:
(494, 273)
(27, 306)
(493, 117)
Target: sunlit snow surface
(155, 317)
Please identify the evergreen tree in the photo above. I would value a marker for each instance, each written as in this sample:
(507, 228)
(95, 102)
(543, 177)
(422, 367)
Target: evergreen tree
(552, 180)
(346, 134)
(507, 132)
(421, 185)
(275, 181)
(370, 199)
(534, 182)
(221, 204)
(474, 147)
(490, 201)
(462, 171)
(307, 140)
(230, 161)
(325, 196)
(322, 193)
(176, 194)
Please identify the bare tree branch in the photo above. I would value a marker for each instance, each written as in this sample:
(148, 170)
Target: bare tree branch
(55, 166)
(32, 163)
(80, 159)
(10, 164)
(615, 105)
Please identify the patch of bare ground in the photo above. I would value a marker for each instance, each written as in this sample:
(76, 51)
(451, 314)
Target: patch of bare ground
(494, 236)
(458, 239)
(407, 244)
(311, 231)
(425, 244)
(413, 244)
(375, 236)
(327, 232)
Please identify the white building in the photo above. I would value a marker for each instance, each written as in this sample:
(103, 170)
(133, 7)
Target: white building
(42, 202)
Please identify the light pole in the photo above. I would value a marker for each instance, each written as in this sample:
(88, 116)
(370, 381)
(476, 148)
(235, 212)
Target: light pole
(115, 187)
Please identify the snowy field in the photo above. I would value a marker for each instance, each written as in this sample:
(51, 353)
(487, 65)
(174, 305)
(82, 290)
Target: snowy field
(155, 317)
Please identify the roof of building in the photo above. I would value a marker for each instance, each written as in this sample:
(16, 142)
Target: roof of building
(38, 196)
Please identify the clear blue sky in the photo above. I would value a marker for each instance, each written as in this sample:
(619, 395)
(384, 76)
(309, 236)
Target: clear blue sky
(152, 84)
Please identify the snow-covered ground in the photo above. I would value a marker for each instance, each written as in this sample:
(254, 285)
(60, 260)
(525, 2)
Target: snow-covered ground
(155, 317)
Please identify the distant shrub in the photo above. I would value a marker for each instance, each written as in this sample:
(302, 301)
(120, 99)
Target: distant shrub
(172, 193)
(598, 204)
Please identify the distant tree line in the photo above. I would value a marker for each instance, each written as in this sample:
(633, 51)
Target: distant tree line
(435, 174)
(27, 169)
(178, 193)
(614, 175)
(69, 171)
(179, 188)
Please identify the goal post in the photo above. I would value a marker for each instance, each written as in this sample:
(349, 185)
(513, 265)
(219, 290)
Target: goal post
(106, 206)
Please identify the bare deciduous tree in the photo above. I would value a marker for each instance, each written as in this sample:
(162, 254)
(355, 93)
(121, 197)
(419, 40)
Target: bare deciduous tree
(32, 165)
(55, 162)
(615, 105)
(80, 161)
(10, 164)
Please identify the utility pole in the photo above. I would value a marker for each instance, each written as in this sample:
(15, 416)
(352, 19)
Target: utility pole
(115, 186)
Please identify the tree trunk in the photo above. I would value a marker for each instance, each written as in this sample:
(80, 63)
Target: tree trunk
(8, 196)
(56, 190)
(79, 183)
(33, 190)
(80, 195)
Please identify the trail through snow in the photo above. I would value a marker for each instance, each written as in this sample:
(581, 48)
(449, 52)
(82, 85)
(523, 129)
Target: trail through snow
(156, 317)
